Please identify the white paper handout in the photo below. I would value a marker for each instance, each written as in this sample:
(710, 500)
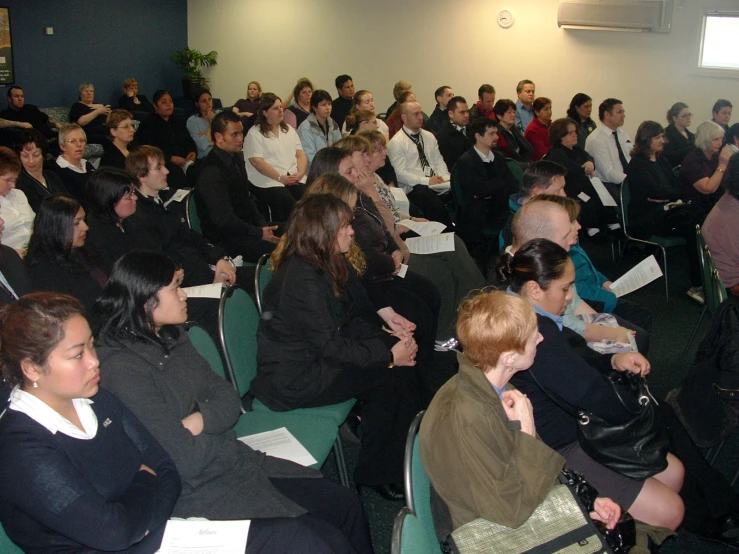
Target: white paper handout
(584, 197)
(603, 194)
(401, 200)
(431, 245)
(441, 188)
(280, 443)
(213, 290)
(641, 274)
(424, 228)
(402, 271)
(201, 536)
(178, 196)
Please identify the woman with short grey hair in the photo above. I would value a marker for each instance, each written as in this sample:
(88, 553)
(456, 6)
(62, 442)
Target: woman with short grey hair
(89, 115)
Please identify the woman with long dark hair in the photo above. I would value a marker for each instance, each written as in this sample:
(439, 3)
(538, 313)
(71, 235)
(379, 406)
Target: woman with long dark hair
(198, 124)
(324, 341)
(78, 471)
(57, 259)
(581, 106)
(150, 363)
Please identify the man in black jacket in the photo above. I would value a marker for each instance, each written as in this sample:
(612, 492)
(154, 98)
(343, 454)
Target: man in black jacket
(439, 120)
(229, 216)
(455, 139)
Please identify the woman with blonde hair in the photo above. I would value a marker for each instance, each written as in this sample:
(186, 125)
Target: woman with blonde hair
(363, 100)
(132, 100)
(121, 129)
(247, 107)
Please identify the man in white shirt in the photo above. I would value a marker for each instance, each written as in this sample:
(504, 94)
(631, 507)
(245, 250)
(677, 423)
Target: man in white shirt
(414, 154)
(610, 146)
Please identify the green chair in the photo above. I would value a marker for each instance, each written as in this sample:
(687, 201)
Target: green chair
(316, 434)
(417, 484)
(705, 267)
(191, 213)
(663, 243)
(262, 276)
(7, 546)
(238, 320)
(516, 169)
(409, 535)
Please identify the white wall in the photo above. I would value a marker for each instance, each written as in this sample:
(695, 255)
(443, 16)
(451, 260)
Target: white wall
(435, 42)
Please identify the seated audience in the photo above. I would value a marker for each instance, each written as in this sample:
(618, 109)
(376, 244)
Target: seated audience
(394, 122)
(719, 227)
(721, 113)
(526, 92)
(121, 131)
(414, 153)
(150, 363)
(732, 138)
(131, 100)
(361, 120)
(485, 183)
(653, 185)
(247, 107)
(229, 217)
(14, 208)
(364, 101)
(13, 276)
(480, 422)
(319, 130)
(318, 349)
(537, 133)
(57, 258)
(36, 181)
(610, 145)
(198, 124)
(679, 141)
(542, 273)
(510, 137)
(70, 166)
(703, 169)
(581, 106)
(439, 117)
(580, 169)
(57, 436)
(398, 88)
(342, 105)
(28, 115)
(88, 115)
(485, 103)
(276, 161)
(167, 130)
(454, 139)
(299, 108)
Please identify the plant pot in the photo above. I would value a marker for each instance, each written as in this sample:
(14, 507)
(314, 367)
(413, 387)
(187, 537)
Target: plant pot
(191, 85)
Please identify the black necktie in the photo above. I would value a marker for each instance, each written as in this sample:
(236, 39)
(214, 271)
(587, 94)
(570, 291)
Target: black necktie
(621, 157)
(416, 138)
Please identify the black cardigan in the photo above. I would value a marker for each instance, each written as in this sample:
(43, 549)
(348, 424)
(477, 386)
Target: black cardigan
(565, 374)
(677, 146)
(648, 179)
(35, 191)
(171, 136)
(576, 181)
(58, 493)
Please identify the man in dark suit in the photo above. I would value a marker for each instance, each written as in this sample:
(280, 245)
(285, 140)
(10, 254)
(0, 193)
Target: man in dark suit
(439, 120)
(454, 139)
(483, 183)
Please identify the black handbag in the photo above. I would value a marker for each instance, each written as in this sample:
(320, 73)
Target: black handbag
(635, 449)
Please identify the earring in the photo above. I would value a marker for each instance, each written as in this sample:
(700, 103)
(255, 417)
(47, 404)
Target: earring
(35, 384)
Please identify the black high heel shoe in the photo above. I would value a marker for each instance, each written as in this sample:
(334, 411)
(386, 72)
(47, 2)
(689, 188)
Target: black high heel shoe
(389, 491)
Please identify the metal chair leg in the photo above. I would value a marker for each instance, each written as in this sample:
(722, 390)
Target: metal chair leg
(341, 462)
(664, 263)
(695, 331)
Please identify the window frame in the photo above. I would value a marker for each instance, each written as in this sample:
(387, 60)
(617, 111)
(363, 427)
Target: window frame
(724, 72)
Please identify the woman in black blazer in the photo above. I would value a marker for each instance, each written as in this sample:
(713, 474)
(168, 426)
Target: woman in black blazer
(679, 140)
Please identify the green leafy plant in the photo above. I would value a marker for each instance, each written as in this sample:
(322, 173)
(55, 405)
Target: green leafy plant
(192, 61)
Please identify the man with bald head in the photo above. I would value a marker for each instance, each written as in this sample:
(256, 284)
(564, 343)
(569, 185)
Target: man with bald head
(414, 154)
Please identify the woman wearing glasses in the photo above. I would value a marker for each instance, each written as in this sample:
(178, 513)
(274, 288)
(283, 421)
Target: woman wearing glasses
(679, 140)
(121, 131)
(71, 166)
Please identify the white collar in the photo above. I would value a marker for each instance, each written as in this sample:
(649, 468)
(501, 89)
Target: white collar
(45, 415)
(408, 131)
(63, 163)
(489, 158)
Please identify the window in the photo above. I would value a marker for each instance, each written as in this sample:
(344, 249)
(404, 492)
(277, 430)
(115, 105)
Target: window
(717, 44)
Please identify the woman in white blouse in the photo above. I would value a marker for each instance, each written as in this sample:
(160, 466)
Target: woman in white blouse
(14, 207)
(277, 163)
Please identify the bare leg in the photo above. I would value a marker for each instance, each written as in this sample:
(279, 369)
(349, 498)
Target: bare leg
(658, 504)
(674, 475)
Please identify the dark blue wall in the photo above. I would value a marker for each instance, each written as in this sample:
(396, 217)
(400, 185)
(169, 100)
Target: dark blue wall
(101, 41)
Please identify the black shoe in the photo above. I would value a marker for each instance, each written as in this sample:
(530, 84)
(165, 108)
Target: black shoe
(728, 525)
(389, 491)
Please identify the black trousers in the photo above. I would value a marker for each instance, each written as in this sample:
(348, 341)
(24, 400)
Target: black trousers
(280, 199)
(335, 522)
(430, 204)
(250, 248)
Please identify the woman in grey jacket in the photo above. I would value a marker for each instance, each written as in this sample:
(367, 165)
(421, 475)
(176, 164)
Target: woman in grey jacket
(318, 130)
(151, 364)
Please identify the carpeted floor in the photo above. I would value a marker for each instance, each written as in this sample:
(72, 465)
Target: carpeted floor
(673, 324)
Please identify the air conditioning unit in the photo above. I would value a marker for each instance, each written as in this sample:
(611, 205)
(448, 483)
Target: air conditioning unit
(636, 16)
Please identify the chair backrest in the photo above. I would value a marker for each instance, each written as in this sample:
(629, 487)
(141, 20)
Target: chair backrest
(416, 481)
(409, 535)
(515, 168)
(625, 200)
(205, 346)
(191, 213)
(456, 188)
(7, 546)
(262, 276)
(238, 321)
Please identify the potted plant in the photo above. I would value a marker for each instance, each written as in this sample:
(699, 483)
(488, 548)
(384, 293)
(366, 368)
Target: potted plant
(191, 62)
